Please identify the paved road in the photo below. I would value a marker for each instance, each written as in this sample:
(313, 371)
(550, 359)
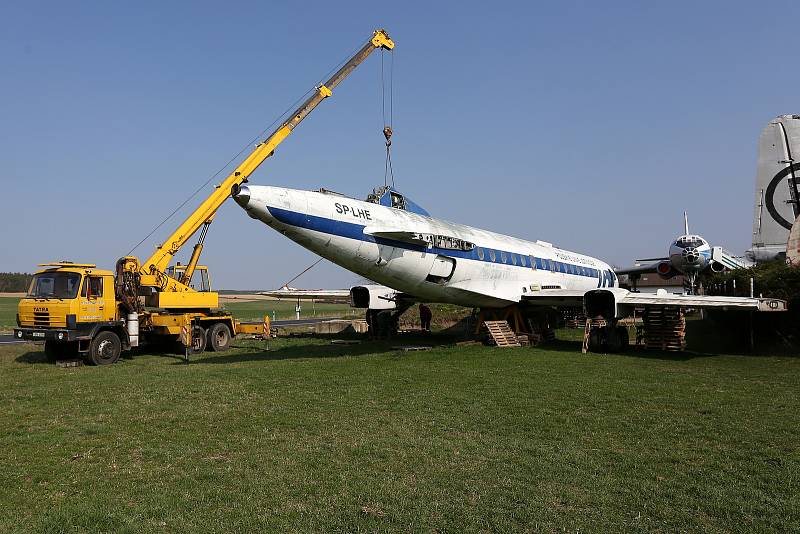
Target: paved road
(6, 339)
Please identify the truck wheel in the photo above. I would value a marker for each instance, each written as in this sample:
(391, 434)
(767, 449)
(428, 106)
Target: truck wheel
(198, 340)
(219, 337)
(105, 348)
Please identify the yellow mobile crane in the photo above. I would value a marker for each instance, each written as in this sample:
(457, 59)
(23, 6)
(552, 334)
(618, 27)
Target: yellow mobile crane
(76, 307)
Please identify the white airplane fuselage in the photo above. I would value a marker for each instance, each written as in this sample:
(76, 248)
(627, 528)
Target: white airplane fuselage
(458, 264)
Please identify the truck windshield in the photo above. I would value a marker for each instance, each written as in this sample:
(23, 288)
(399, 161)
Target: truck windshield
(55, 285)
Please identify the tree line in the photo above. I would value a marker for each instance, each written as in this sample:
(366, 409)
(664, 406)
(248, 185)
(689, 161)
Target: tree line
(14, 282)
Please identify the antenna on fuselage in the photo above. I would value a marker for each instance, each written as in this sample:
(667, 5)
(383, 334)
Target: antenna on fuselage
(685, 223)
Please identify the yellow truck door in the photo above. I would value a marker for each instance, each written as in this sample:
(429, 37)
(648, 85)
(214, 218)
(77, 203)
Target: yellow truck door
(92, 306)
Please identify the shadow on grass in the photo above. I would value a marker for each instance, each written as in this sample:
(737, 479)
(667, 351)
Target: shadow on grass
(573, 347)
(315, 350)
(38, 357)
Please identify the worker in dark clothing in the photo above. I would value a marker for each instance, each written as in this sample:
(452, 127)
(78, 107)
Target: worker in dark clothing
(425, 316)
(370, 324)
(384, 321)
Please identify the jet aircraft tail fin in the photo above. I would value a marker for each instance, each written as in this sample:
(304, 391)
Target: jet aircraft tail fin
(777, 182)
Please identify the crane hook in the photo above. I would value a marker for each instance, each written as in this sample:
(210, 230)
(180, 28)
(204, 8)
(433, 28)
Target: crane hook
(387, 133)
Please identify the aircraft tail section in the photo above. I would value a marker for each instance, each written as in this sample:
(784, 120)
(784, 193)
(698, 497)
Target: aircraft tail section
(777, 182)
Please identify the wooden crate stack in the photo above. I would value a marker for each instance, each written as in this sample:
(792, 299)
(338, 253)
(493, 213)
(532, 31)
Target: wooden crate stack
(575, 320)
(664, 329)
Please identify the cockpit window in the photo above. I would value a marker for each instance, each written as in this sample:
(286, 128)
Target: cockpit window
(689, 241)
(398, 201)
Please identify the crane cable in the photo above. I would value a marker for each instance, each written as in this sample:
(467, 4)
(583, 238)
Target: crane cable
(388, 171)
(304, 271)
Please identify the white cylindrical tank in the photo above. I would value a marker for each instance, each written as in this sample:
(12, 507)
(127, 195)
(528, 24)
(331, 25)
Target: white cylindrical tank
(133, 329)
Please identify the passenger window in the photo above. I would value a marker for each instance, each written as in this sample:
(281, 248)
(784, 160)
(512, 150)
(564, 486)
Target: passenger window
(492, 255)
(503, 256)
(480, 253)
(533, 262)
(513, 259)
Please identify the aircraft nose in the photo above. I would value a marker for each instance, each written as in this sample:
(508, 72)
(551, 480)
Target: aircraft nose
(241, 194)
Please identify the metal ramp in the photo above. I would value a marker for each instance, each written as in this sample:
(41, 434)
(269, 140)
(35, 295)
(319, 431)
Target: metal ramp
(501, 333)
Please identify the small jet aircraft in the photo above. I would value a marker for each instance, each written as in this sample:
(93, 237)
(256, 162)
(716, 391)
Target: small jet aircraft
(391, 240)
(689, 255)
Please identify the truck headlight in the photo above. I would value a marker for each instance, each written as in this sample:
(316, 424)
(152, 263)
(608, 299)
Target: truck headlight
(60, 335)
(19, 333)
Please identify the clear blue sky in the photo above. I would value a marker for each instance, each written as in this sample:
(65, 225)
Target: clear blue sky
(592, 125)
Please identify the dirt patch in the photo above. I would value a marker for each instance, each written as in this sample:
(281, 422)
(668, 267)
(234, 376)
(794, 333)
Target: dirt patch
(13, 295)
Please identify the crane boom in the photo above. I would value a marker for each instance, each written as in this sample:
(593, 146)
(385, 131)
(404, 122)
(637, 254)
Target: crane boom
(152, 271)
(99, 313)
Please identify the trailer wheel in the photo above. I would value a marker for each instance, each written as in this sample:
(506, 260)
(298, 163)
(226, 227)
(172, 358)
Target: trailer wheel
(105, 348)
(219, 337)
(198, 340)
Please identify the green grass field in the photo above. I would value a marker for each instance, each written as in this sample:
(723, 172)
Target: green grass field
(8, 313)
(284, 309)
(309, 436)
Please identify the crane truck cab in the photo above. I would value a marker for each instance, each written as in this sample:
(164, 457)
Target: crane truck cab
(73, 309)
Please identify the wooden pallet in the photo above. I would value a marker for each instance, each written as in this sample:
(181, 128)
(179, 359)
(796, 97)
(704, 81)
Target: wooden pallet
(664, 329)
(501, 333)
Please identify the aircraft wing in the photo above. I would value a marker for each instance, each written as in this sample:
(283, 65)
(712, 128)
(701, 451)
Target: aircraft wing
(643, 300)
(396, 234)
(308, 294)
(626, 299)
(424, 238)
(642, 269)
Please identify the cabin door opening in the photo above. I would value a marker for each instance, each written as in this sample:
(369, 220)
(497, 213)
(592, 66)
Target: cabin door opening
(442, 269)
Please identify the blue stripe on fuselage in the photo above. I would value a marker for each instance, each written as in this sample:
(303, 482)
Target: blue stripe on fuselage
(356, 231)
